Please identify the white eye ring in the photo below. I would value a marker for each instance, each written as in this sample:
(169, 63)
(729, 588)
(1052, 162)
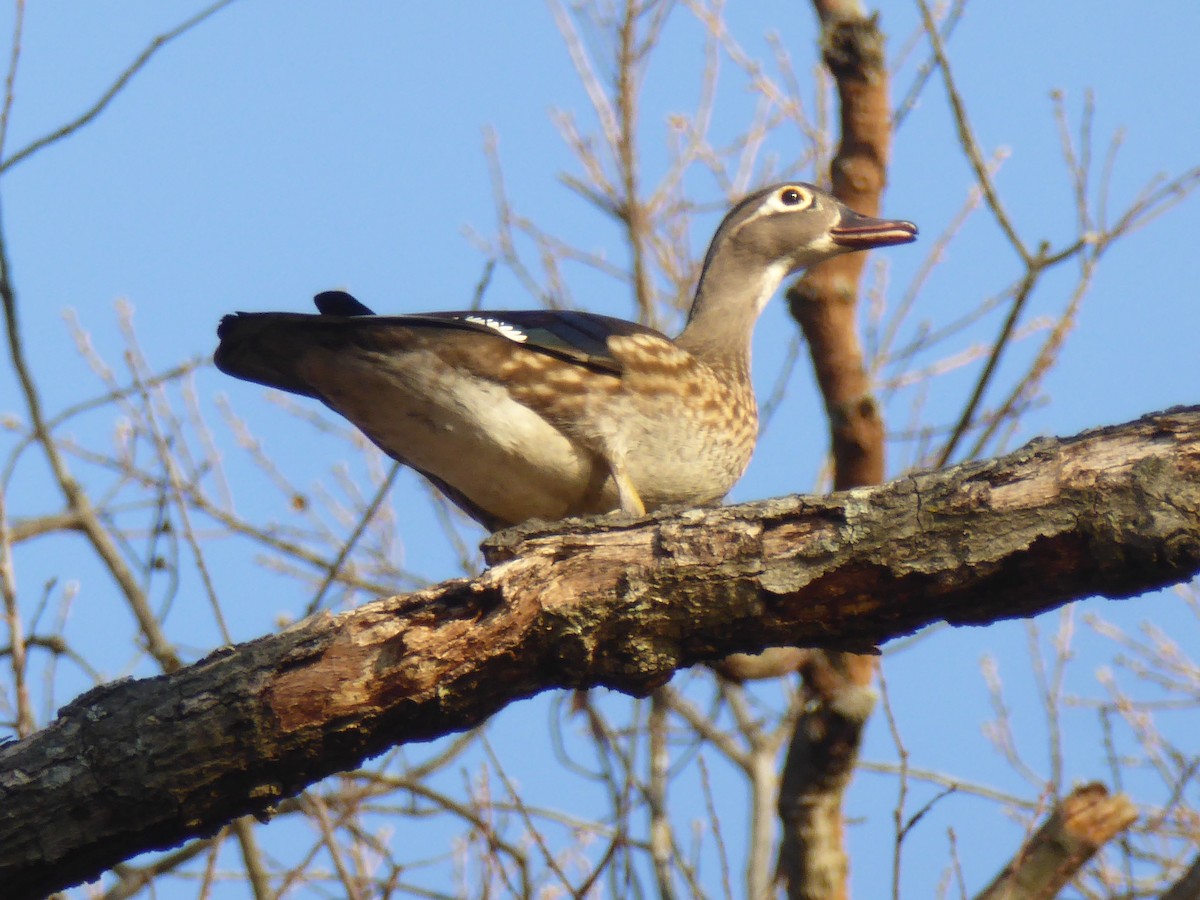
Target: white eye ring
(794, 197)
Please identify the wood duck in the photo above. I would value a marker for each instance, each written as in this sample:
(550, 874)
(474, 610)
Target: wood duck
(546, 414)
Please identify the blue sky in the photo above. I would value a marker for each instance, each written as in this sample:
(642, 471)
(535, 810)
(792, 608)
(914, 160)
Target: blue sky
(277, 151)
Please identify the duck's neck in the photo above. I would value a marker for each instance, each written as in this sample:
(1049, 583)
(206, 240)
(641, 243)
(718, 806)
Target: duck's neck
(731, 295)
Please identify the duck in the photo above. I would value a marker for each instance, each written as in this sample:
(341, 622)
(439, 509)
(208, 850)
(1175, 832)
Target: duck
(546, 414)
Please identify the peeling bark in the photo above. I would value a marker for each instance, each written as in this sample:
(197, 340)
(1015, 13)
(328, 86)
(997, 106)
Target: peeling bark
(144, 764)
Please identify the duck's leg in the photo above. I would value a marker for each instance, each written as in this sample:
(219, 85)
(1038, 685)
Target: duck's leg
(631, 501)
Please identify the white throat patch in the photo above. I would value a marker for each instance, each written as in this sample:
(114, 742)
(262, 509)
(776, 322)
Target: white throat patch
(772, 276)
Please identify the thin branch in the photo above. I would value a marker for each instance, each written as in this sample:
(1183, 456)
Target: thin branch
(661, 840)
(77, 500)
(252, 858)
(1024, 291)
(11, 78)
(966, 136)
(114, 89)
(364, 520)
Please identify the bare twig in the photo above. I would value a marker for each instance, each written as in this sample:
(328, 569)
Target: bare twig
(348, 545)
(10, 78)
(661, 840)
(114, 89)
(966, 137)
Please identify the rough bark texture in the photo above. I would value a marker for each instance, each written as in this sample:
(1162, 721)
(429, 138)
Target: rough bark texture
(820, 761)
(139, 765)
(1084, 821)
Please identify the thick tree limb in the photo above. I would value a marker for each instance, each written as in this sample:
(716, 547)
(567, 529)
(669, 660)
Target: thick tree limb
(138, 765)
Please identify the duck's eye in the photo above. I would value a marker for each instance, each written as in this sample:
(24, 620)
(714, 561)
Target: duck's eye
(793, 196)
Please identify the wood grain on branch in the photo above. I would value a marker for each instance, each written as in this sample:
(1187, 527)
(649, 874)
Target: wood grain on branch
(138, 765)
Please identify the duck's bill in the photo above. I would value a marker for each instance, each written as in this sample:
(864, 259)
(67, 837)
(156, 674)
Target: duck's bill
(858, 232)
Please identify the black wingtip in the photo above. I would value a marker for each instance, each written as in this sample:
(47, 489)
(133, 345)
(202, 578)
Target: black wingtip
(339, 303)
